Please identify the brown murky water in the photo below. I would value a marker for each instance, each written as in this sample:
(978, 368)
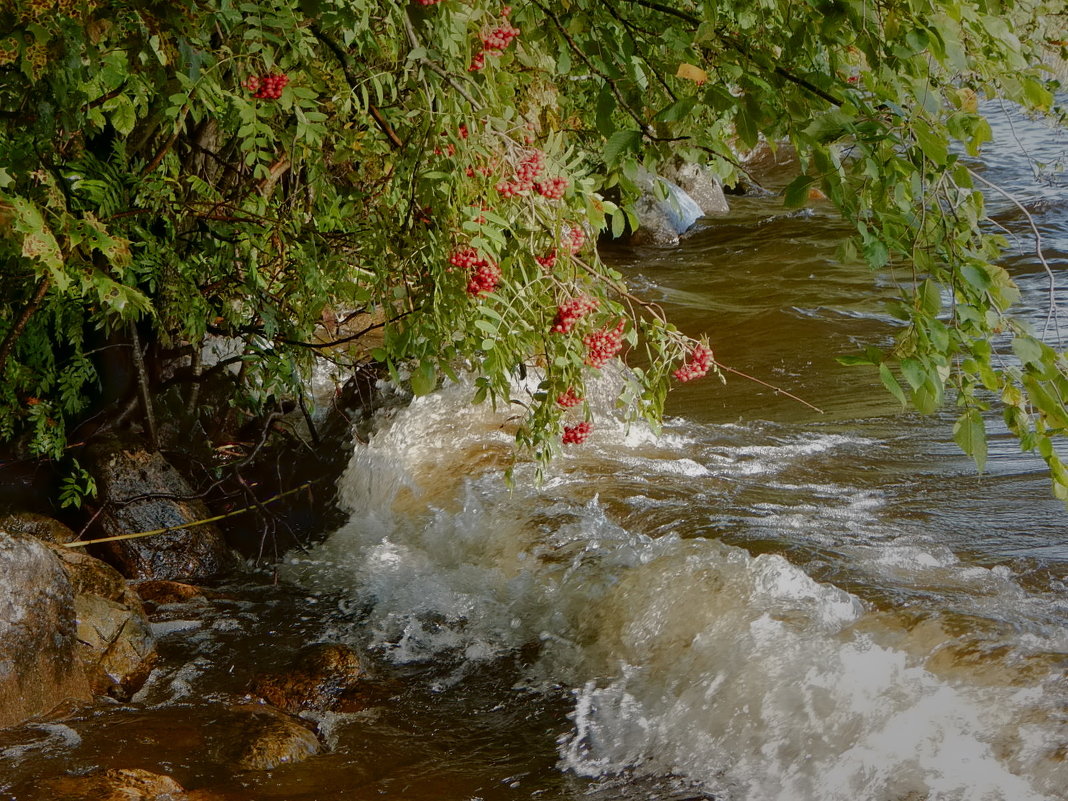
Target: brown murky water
(760, 603)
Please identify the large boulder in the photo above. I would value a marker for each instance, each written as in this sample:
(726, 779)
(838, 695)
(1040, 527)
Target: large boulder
(39, 664)
(664, 210)
(698, 182)
(141, 491)
(115, 642)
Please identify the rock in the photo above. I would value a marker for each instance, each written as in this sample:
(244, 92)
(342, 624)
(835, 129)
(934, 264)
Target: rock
(115, 642)
(701, 185)
(120, 784)
(125, 475)
(36, 525)
(662, 221)
(261, 738)
(157, 592)
(39, 668)
(316, 680)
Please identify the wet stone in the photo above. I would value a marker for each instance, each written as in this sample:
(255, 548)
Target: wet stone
(39, 668)
(261, 738)
(143, 492)
(115, 642)
(118, 784)
(316, 680)
(39, 526)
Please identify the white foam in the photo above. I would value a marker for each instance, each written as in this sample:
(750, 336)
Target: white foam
(688, 657)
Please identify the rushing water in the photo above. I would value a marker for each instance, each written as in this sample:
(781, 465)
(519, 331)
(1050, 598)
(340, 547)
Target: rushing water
(759, 603)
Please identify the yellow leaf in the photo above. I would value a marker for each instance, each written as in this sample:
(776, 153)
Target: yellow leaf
(692, 73)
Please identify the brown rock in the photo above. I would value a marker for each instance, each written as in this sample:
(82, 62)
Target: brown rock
(316, 680)
(143, 492)
(39, 668)
(121, 784)
(261, 738)
(40, 526)
(157, 592)
(116, 645)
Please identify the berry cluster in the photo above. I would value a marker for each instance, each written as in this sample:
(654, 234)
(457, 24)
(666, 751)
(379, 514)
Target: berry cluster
(495, 40)
(525, 174)
(548, 261)
(450, 150)
(569, 313)
(576, 434)
(266, 87)
(429, 2)
(574, 239)
(604, 344)
(698, 364)
(552, 189)
(484, 274)
(569, 399)
(483, 280)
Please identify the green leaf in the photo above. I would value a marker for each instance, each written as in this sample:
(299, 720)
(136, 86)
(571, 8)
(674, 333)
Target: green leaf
(424, 378)
(796, 193)
(969, 432)
(891, 383)
(620, 143)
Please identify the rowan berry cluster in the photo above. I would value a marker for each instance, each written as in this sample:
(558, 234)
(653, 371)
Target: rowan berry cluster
(495, 40)
(604, 344)
(483, 280)
(569, 399)
(266, 87)
(525, 174)
(577, 434)
(567, 314)
(574, 239)
(699, 362)
(429, 2)
(483, 274)
(552, 188)
(548, 261)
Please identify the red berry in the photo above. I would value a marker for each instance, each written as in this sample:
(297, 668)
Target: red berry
(699, 363)
(576, 434)
(567, 314)
(569, 399)
(603, 345)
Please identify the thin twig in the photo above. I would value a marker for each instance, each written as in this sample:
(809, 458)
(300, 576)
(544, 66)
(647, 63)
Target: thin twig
(1052, 313)
(413, 39)
(16, 330)
(142, 386)
(194, 524)
(778, 390)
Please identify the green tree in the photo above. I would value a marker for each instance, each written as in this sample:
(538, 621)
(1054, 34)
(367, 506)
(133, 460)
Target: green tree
(169, 170)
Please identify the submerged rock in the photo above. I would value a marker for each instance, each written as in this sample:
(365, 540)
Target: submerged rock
(261, 738)
(158, 592)
(141, 491)
(117, 784)
(316, 680)
(39, 664)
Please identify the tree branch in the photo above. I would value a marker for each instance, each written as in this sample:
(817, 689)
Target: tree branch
(16, 330)
(343, 59)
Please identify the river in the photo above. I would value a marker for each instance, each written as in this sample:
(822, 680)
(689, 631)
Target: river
(758, 603)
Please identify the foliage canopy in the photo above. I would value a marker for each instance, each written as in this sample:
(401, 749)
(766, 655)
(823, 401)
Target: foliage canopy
(442, 168)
